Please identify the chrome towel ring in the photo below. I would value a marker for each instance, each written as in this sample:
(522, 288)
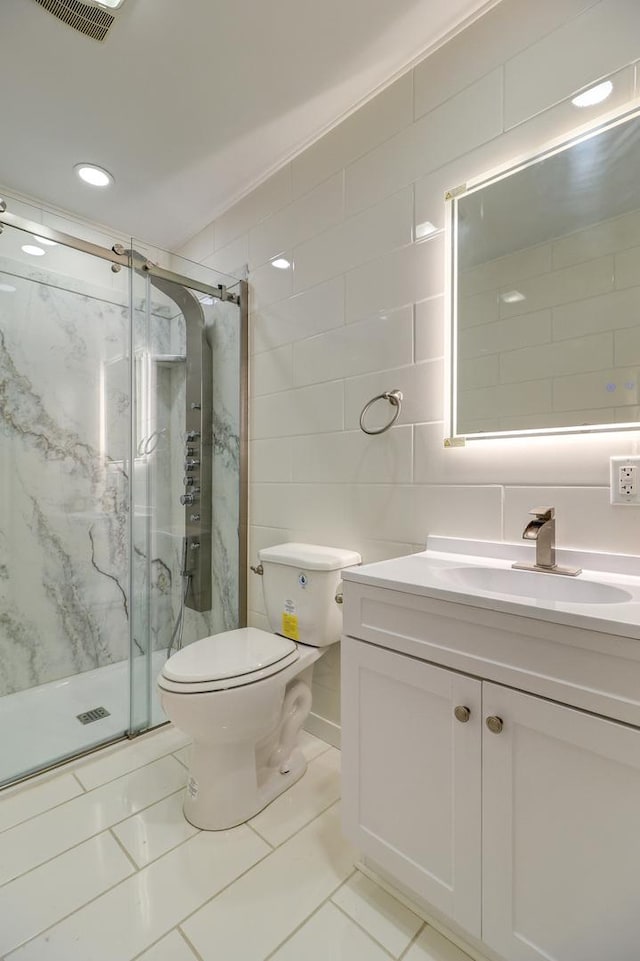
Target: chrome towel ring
(395, 399)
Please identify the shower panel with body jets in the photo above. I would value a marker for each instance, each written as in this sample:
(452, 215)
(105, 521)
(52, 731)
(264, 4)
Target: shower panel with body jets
(187, 540)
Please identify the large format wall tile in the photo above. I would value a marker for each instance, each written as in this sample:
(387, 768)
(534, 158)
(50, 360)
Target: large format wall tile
(372, 314)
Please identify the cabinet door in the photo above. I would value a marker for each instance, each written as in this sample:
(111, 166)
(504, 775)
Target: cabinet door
(411, 774)
(561, 833)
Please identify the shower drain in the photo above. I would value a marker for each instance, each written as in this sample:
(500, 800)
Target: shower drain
(93, 715)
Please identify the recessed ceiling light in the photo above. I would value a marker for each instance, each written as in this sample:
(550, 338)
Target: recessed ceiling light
(280, 263)
(588, 98)
(95, 176)
(43, 240)
(512, 297)
(112, 4)
(424, 229)
(7, 289)
(33, 250)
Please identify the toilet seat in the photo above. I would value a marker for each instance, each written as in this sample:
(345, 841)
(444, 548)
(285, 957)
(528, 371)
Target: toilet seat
(227, 660)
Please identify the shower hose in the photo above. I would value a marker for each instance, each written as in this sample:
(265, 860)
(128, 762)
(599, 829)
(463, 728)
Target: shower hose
(176, 637)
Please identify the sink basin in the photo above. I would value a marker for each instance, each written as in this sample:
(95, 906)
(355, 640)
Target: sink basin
(533, 584)
(604, 598)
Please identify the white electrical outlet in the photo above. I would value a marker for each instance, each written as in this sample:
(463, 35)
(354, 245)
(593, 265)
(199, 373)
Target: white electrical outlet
(625, 480)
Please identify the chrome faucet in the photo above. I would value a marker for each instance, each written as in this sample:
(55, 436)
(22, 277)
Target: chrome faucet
(542, 530)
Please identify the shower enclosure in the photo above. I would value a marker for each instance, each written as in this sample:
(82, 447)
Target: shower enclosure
(122, 480)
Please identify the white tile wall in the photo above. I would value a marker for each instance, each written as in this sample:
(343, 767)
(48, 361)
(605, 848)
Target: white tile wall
(270, 196)
(306, 314)
(306, 217)
(370, 313)
(402, 277)
(374, 123)
(375, 344)
(598, 42)
(231, 259)
(498, 36)
(359, 239)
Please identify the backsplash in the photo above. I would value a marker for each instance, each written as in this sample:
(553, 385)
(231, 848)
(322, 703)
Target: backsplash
(361, 309)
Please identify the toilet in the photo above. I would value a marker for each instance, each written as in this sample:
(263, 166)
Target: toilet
(244, 695)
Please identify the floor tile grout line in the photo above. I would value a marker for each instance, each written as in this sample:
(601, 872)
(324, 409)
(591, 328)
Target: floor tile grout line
(32, 817)
(70, 914)
(175, 754)
(306, 825)
(183, 920)
(188, 917)
(256, 832)
(271, 851)
(85, 790)
(157, 801)
(306, 920)
(111, 888)
(362, 928)
(78, 781)
(111, 749)
(174, 847)
(138, 870)
(138, 767)
(129, 816)
(317, 815)
(128, 856)
(153, 944)
(88, 838)
(413, 941)
(189, 944)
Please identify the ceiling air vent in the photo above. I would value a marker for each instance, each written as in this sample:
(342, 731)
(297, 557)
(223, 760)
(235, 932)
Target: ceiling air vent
(92, 21)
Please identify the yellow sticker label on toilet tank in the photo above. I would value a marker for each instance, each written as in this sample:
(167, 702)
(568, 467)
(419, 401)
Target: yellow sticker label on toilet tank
(290, 626)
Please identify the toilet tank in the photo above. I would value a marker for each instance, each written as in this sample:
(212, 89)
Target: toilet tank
(299, 584)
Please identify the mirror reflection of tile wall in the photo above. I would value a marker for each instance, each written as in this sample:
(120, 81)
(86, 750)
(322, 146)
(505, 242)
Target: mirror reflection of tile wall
(550, 335)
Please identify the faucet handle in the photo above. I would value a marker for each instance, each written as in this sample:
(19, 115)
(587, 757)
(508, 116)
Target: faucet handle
(543, 513)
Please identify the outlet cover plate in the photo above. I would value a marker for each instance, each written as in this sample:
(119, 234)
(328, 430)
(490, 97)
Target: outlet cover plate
(625, 481)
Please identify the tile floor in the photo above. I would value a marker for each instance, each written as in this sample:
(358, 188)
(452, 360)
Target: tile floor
(97, 863)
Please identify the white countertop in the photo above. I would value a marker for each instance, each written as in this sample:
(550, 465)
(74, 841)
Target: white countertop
(440, 572)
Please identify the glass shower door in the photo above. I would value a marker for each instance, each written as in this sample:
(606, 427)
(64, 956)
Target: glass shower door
(105, 502)
(64, 502)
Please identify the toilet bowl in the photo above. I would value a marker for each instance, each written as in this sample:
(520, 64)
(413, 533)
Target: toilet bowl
(244, 695)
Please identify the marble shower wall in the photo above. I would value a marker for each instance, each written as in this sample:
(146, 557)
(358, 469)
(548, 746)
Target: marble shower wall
(64, 505)
(65, 414)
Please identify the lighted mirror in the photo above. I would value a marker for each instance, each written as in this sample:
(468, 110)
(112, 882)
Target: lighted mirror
(546, 291)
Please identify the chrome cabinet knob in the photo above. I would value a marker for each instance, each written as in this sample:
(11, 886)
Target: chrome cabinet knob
(494, 724)
(187, 500)
(462, 713)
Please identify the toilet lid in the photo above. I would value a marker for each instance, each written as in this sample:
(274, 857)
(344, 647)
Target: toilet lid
(228, 655)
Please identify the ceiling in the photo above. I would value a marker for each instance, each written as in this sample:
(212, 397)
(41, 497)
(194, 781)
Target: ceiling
(189, 103)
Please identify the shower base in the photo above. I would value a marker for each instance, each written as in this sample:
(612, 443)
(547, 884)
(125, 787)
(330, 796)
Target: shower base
(40, 725)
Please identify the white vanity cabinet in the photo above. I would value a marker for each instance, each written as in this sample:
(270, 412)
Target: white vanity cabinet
(561, 832)
(524, 833)
(411, 775)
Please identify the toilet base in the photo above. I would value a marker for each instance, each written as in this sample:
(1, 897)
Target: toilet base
(198, 810)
